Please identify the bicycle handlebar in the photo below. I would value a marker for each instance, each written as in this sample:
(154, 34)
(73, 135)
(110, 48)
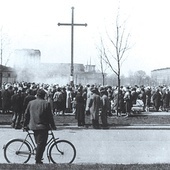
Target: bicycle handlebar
(26, 129)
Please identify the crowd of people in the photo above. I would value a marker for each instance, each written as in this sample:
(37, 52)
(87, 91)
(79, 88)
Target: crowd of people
(34, 106)
(92, 100)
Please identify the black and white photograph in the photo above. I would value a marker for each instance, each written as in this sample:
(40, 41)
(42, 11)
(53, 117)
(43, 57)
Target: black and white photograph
(84, 84)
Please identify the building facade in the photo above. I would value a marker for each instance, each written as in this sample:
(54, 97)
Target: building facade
(7, 74)
(29, 68)
(59, 73)
(160, 76)
(25, 58)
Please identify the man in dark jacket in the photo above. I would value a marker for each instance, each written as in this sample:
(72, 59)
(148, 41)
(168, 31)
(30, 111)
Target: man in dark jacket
(6, 99)
(80, 108)
(157, 99)
(38, 117)
(28, 98)
(105, 105)
(17, 108)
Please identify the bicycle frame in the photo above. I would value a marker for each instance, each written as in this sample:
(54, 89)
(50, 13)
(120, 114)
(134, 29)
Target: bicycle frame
(33, 145)
(50, 142)
(62, 151)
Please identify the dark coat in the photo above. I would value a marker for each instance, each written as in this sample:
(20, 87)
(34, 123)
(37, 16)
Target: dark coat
(121, 101)
(157, 100)
(64, 100)
(104, 109)
(27, 99)
(38, 115)
(80, 108)
(166, 99)
(6, 99)
(134, 96)
(17, 102)
(148, 97)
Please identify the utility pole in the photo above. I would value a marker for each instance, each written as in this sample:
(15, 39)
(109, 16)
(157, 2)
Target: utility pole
(72, 24)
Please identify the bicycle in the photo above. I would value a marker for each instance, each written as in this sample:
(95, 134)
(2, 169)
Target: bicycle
(20, 150)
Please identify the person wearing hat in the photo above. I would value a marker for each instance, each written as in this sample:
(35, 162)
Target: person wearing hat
(39, 118)
(6, 98)
(157, 96)
(166, 99)
(80, 107)
(29, 96)
(128, 102)
(58, 99)
(93, 106)
(104, 107)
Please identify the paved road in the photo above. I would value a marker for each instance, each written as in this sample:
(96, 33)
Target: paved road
(116, 146)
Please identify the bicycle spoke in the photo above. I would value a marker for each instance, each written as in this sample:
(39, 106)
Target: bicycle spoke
(62, 152)
(17, 151)
(20, 151)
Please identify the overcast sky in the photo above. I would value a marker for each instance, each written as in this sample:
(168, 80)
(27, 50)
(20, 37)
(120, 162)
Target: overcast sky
(33, 24)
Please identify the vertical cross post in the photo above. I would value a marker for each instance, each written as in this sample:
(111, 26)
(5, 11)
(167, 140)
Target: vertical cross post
(72, 24)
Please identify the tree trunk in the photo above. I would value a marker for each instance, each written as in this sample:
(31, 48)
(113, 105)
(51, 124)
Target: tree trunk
(118, 79)
(103, 79)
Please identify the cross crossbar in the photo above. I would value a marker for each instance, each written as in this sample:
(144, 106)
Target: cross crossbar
(66, 24)
(72, 24)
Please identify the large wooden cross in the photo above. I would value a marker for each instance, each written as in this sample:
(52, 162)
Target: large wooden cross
(72, 24)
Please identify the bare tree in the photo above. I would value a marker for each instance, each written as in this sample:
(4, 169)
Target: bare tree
(141, 78)
(114, 54)
(102, 70)
(119, 45)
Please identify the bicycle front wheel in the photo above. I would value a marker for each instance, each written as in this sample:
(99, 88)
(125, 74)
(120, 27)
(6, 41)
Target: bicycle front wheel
(62, 151)
(17, 151)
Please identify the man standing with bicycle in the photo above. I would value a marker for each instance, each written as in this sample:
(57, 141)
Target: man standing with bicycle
(38, 118)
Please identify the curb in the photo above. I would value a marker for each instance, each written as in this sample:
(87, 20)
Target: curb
(123, 127)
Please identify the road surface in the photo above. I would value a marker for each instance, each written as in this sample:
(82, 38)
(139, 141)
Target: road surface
(113, 146)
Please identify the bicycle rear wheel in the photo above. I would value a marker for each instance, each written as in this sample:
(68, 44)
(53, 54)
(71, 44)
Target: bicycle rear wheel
(17, 151)
(62, 151)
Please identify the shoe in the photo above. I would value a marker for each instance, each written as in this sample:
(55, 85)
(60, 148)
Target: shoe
(39, 162)
(18, 127)
(96, 127)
